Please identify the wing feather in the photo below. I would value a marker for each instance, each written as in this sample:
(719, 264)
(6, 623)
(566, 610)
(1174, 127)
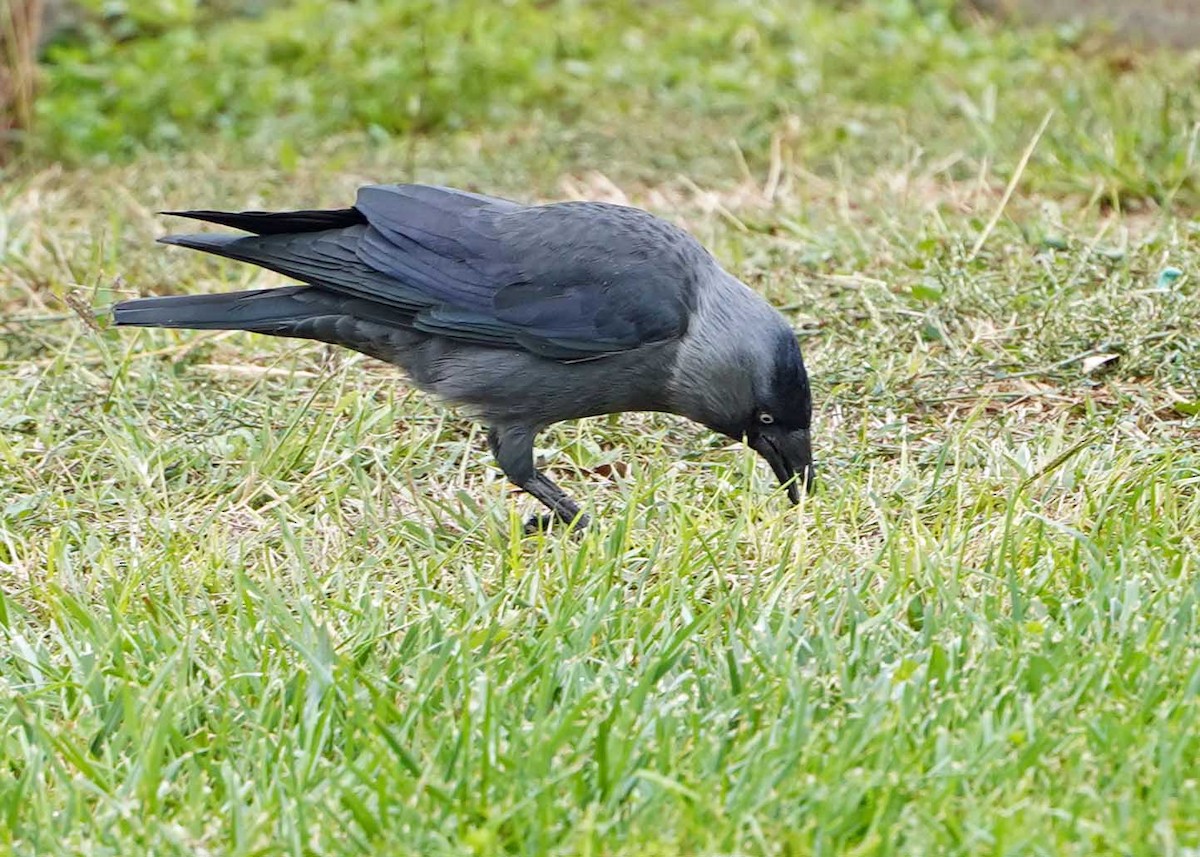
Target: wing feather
(567, 281)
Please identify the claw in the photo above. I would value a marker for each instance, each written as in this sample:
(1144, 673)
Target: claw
(548, 522)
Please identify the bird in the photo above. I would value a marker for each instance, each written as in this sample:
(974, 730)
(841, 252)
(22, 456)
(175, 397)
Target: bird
(524, 315)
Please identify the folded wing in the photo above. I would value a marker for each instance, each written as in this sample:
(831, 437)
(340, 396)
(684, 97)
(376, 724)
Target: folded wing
(567, 281)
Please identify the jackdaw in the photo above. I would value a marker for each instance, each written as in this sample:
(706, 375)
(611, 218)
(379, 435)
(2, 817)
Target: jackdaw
(525, 314)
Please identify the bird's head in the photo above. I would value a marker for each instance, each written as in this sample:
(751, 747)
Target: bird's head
(777, 426)
(740, 372)
(762, 398)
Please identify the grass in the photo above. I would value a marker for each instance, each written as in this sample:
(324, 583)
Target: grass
(19, 30)
(257, 597)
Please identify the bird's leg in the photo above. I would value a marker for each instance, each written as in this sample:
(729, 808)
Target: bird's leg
(513, 447)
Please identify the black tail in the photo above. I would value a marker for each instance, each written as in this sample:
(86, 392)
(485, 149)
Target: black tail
(263, 310)
(278, 222)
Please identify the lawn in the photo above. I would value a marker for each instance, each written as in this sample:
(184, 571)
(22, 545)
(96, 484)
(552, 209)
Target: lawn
(259, 597)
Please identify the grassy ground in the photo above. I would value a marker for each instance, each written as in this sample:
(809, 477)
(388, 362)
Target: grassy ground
(257, 597)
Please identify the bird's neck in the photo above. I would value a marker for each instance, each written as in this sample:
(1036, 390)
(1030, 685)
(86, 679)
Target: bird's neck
(719, 361)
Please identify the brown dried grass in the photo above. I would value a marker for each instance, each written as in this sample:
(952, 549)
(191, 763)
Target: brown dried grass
(20, 27)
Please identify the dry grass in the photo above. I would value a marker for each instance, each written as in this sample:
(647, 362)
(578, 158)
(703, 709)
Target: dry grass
(20, 25)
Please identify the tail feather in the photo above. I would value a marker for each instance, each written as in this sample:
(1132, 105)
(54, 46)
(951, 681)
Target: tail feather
(261, 310)
(278, 222)
(209, 242)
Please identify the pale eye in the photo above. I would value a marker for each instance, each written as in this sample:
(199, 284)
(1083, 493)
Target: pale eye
(765, 418)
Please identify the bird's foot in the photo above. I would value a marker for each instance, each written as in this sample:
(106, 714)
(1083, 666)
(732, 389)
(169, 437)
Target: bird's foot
(548, 521)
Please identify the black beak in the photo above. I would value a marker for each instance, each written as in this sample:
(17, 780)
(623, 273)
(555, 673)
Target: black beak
(790, 455)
